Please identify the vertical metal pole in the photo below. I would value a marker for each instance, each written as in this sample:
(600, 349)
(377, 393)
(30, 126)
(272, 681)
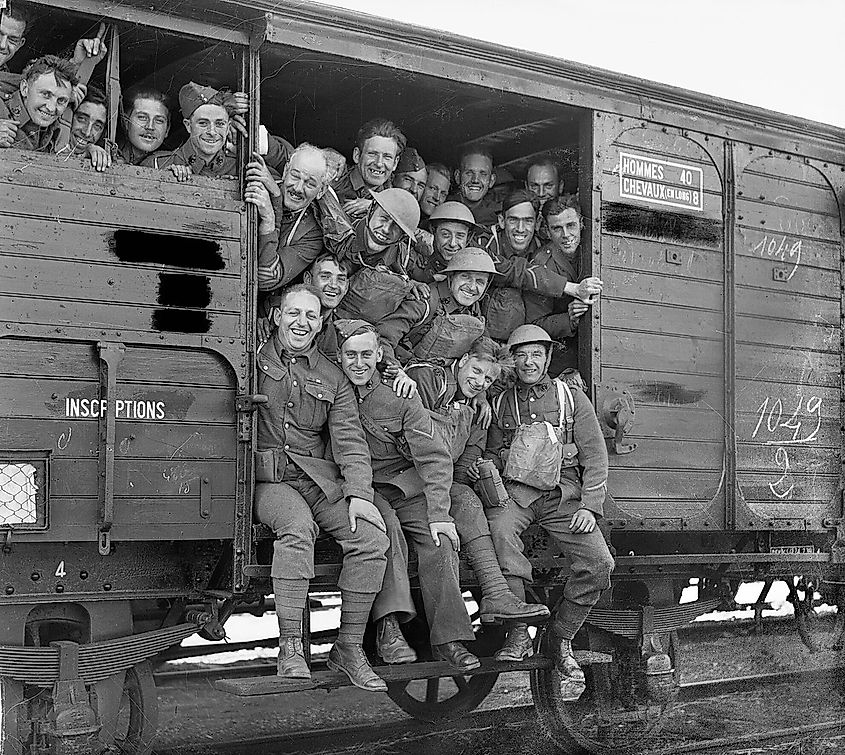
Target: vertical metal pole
(729, 209)
(589, 191)
(250, 77)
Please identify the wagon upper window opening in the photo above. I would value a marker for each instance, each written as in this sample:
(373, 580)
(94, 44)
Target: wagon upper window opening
(131, 91)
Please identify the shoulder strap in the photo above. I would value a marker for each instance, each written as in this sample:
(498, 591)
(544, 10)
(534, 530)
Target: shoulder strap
(567, 409)
(295, 226)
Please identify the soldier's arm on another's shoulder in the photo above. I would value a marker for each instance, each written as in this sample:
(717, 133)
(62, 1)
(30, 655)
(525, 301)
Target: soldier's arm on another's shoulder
(349, 445)
(592, 454)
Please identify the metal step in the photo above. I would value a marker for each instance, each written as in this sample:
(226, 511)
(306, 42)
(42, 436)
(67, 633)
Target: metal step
(274, 685)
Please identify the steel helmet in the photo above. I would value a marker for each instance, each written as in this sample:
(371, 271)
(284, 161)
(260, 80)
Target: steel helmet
(528, 334)
(454, 211)
(472, 259)
(402, 206)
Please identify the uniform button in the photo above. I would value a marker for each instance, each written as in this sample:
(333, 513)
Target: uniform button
(360, 401)
(531, 399)
(317, 380)
(319, 395)
(287, 447)
(293, 361)
(287, 425)
(263, 366)
(295, 383)
(533, 416)
(290, 403)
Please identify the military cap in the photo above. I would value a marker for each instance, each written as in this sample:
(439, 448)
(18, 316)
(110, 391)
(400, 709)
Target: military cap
(192, 96)
(410, 161)
(518, 196)
(348, 328)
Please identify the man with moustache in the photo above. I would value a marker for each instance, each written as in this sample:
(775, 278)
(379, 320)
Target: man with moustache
(290, 237)
(512, 246)
(434, 194)
(299, 491)
(29, 120)
(378, 145)
(560, 316)
(146, 124)
(547, 442)
(475, 176)
(402, 437)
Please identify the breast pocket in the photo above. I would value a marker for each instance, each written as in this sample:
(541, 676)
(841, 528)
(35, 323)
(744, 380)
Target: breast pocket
(385, 436)
(317, 399)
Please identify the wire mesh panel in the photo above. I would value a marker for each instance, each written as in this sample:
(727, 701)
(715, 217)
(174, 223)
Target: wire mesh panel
(22, 494)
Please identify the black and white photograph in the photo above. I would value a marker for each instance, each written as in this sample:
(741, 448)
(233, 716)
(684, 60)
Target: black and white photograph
(439, 378)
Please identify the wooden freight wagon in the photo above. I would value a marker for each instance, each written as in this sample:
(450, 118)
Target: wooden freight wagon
(714, 355)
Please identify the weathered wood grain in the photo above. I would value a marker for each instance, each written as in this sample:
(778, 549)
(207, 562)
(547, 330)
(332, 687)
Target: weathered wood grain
(803, 223)
(646, 256)
(672, 354)
(786, 334)
(647, 317)
(661, 289)
(795, 363)
(788, 193)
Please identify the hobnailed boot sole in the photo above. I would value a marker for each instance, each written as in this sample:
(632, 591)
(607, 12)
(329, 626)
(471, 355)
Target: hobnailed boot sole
(538, 616)
(337, 667)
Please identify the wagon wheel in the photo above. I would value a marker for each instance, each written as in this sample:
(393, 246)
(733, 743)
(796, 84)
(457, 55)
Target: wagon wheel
(616, 714)
(441, 698)
(819, 612)
(137, 720)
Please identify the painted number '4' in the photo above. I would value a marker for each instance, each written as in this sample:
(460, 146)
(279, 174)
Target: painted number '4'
(60, 571)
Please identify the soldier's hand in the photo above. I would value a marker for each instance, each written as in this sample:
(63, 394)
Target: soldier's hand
(8, 132)
(256, 193)
(588, 288)
(237, 103)
(576, 310)
(357, 208)
(472, 470)
(257, 170)
(263, 330)
(89, 48)
(583, 521)
(403, 386)
(100, 158)
(361, 509)
(237, 125)
(420, 291)
(482, 407)
(445, 528)
(78, 94)
(182, 172)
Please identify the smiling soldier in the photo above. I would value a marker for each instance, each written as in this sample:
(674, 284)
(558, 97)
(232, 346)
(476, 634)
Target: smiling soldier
(298, 491)
(546, 440)
(30, 118)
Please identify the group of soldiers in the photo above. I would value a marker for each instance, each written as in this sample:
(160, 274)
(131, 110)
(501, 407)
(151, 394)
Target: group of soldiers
(411, 324)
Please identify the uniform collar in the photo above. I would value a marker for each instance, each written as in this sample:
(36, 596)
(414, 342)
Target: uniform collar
(452, 378)
(362, 391)
(197, 162)
(19, 112)
(536, 390)
(356, 179)
(131, 153)
(550, 251)
(275, 364)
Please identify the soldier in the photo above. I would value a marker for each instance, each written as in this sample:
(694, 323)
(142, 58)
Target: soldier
(542, 432)
(298, 491)
(146, 124)
(378, 255)
(290, 237)
(436, 190)
(560, 316)
(475, 177)
(512, 246)
(542, 180)
(452, 225)
(86, 129)
(450, 320)
(402, 438)
(30, 118)
(411, 173)
(378, 145)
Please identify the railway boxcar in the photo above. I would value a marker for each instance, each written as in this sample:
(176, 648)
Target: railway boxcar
(127, 309)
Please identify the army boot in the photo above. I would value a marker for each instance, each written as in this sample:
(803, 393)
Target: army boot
(518, 645)
(391, 645)
(349, 658)
(572, 684)
(291, 661)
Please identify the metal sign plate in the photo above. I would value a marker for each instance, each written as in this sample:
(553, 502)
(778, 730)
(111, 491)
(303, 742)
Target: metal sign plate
(654, 181)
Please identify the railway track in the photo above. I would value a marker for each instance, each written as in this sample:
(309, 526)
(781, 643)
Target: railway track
(384, 737)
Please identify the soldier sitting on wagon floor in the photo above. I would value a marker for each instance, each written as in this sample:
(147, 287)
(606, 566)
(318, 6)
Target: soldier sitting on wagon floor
(542, 432)
(404, 444)
(298, 491)
(30, 118)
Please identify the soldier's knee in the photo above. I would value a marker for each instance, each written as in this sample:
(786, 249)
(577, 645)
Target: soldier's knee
(299, 529)
(369, 539)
